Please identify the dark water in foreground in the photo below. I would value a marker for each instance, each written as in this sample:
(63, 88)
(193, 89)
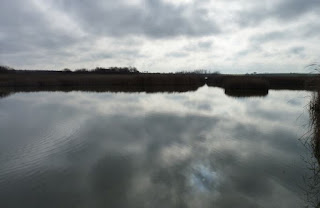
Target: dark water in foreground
(193, 149)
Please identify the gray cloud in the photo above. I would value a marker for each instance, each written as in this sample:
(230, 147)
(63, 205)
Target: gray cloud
(191, 48)
(271, 36)
(284, 10)
(177, 54)
(28, 35)
(154, 18)
(124, 53)
(290, 9)
(298, 50)
(205, 44)
(201, 45)
(255, 48)
(311, 29)
(25, 28)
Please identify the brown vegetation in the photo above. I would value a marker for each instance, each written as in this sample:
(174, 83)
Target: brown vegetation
(245, 83)
(281, 81)
(75, 79)
(129, 79)
(312, 142)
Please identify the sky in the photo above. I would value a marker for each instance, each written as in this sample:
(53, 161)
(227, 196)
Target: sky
(231, 36)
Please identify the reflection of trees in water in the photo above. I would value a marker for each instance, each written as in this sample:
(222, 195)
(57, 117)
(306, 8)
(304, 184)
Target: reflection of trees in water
(313, 143)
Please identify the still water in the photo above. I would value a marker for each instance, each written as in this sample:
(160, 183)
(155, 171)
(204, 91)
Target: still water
(192, 149)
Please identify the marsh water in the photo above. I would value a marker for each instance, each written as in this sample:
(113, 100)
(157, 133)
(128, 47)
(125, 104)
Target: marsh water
(192, 149)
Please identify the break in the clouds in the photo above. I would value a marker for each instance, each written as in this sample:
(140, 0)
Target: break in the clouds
(161, 35)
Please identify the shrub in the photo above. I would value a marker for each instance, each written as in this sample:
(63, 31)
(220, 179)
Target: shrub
(67, 70)
(5, 69)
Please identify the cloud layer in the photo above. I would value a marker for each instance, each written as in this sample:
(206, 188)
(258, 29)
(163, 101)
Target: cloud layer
(158, 35)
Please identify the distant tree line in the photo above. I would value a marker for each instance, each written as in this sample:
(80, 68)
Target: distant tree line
(198, 71)
(97, 70)
(102, 70)
(110, 70)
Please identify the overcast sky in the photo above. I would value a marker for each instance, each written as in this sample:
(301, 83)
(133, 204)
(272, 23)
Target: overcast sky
(231, 36)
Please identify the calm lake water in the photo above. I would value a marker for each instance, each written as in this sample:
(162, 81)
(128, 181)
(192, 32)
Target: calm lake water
(193, 149)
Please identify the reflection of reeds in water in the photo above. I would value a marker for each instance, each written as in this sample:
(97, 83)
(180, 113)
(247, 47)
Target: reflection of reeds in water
(4, 92)
(245, 87)
(246, 93)
(314, 111)
(313, 142)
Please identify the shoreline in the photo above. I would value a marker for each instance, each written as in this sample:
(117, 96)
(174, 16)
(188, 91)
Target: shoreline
(234, 85)
(24, 79)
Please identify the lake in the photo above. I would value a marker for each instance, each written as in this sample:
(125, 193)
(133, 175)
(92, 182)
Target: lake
(194, 149)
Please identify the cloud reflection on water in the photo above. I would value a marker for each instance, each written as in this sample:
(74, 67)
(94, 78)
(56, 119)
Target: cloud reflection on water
(151, 150)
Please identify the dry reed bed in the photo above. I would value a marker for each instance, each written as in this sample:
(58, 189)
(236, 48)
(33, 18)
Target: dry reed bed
(73, 79)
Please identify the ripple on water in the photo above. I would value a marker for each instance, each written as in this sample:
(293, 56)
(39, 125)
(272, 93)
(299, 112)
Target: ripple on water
(27, 161)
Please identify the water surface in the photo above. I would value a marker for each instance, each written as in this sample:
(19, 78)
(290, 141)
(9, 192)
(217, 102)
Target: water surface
(192, 149)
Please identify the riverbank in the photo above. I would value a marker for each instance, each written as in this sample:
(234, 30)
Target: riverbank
(45, 79)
